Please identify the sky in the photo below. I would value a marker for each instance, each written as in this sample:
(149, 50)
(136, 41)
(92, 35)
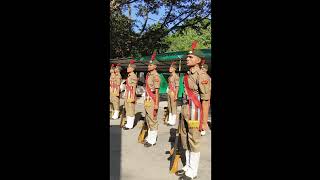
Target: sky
(153, 18)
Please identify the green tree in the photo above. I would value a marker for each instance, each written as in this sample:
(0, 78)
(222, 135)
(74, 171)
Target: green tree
(182, 40)
(179, 14)
(121, 35)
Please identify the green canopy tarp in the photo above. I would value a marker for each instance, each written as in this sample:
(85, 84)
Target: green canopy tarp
(180, 92)
(164, 85)
(171, 56)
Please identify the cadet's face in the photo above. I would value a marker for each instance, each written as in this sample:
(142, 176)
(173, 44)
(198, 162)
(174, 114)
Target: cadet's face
(116, 70)
(151, 67)
(192, 60)
(171, 69)
(129, 69)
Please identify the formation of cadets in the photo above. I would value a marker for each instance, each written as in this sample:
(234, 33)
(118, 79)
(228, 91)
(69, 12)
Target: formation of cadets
(194, 110)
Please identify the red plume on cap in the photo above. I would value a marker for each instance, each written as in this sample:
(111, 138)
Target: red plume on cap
(203, 61)
(194, 45)
(173, 62)
(118, 64)
(112, 65)
(132, 60)
(153, 55)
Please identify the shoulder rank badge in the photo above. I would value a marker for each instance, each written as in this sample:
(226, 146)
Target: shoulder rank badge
(204, 81)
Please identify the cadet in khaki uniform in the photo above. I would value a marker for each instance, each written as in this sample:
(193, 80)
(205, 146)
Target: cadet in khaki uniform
(111, 75)
(207, 89)
(152, 101)
(111, 85)
(173, 94)
(130, 95)
(195, 99)
(116, 91)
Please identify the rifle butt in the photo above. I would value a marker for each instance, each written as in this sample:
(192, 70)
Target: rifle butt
(175, 165)
(142, 134)
(123, 118)
(123, 122)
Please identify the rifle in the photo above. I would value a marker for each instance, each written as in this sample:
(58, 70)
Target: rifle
(143, 133)
(174, 152)
(123, 117)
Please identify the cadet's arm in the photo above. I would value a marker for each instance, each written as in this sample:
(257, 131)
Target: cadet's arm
(134, 89)
(205, 103)
(157, 99)
(177, 90)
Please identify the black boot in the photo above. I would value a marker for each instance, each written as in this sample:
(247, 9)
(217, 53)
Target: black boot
(184, 177)
(180, 172)
(148, 144)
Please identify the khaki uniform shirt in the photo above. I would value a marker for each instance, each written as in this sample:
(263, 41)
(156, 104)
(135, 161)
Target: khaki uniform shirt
(199, 83)
(117, 79)
(174, 80)
(132, 81)
(205, 86)
(153, 80)
(117, 82)
(112, 75)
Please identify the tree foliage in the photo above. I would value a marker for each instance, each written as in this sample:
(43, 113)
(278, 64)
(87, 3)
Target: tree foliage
(179, 15)
(181, 41)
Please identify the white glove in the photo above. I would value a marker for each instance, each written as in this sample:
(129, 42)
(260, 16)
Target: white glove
(203, 133)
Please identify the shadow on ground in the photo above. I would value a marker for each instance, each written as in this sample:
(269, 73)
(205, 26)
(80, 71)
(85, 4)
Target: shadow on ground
(138, 117)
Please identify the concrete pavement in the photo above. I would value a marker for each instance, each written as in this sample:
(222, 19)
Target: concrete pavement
(130, 160)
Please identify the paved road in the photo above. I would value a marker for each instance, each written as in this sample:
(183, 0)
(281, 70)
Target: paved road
(130, 160)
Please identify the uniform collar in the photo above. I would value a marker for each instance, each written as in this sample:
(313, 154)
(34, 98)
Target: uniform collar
(194, 69)
(153, 72)
(204, 72)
